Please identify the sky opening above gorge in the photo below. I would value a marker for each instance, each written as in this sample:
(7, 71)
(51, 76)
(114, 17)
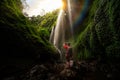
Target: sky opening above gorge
(41, 7)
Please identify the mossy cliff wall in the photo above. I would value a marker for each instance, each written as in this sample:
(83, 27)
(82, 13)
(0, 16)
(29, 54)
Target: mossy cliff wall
(21, 45)
(100, 37)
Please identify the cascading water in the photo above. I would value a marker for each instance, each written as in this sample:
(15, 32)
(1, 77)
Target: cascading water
(56, 33)
(63, 30)
(70, 15)
(58, 28)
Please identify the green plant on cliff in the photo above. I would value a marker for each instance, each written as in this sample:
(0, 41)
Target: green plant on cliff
(100, 38)
(45, 23)
(19, 36)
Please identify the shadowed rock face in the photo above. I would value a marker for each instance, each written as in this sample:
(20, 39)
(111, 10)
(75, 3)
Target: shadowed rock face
(19, 49)
(82, 70)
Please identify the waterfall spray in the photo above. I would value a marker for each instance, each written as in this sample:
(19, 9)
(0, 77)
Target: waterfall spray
(63, 31)
(57, 34)
(57, 29)
(70, 14)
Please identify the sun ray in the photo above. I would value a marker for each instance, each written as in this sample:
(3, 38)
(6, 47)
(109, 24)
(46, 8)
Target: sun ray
(36, 7)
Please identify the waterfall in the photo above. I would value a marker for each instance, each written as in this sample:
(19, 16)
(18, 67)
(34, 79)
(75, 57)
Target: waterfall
(58, 29)
(52, 35)
(70, 15)
(62, 32)
(57, 33)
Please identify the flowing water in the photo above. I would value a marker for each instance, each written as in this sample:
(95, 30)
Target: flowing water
(70, 15)
(68, 23)
(62, 32)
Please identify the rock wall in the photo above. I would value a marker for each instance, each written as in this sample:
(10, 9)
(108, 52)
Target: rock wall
(100, 37)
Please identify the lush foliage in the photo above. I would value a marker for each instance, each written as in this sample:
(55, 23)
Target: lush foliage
(45, 23)
(100, 37)
(20, 36)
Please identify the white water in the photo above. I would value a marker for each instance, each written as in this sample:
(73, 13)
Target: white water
(57, 33)
(58, 28)
(70, 13)
(63, 31)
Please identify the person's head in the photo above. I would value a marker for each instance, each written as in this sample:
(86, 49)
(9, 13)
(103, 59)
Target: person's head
(65, 43)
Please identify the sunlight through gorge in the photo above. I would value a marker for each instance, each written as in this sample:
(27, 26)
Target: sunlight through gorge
(41, 7)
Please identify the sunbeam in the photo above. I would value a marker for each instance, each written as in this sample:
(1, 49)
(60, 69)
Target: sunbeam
(41, 7)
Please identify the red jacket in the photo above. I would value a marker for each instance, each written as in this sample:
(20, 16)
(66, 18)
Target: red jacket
(66, 46)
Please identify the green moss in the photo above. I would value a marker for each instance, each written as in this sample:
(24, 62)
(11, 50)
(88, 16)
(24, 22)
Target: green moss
(100, 38)
(20, 36)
